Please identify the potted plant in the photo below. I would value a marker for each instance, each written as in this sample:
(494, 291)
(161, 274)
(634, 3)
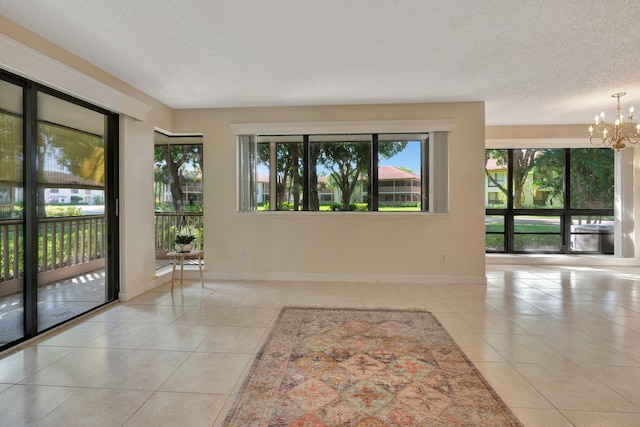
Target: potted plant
(184, 240)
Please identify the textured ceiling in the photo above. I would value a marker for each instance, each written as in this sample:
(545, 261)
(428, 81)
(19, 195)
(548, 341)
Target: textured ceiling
(531, 61)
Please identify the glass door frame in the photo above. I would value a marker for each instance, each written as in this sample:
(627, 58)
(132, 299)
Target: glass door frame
(30, 218)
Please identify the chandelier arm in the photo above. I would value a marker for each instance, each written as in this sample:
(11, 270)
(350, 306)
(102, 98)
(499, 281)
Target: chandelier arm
(615, 134)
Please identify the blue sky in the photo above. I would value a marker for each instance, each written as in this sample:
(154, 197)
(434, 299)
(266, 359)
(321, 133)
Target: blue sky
(408, 158)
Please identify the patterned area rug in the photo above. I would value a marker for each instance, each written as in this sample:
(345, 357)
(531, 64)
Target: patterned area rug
(364, 368)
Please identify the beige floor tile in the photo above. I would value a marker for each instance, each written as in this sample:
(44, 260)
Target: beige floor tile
(78, 368)
(453, 322)
(258, 300)
(515, 306)
(541, 417)
(233, 339)
(159, 314)
(569, 387)
(427, 301)
(629, 322)
(492, 323)
(79, 334)
(576, 329)
(476, 348)
(204, 315)
(629, 346)
(219, 299)
(514, 390)
(347, 296)
(117, 312)
(245, 316)
(303, 298)
(19, 365)
(524, 349)
(96, 407)
(179, 409)
(216, 373)
(625, 381)
(543, 324)
(602, 419)
(586, 351)
(141, 370)
(23, 405)
(149, 298)
(225, 410)
(272, 288)
(127, 335)
(179, 337)
(184, 298)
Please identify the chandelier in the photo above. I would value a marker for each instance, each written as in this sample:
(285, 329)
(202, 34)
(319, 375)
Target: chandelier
(618, 133)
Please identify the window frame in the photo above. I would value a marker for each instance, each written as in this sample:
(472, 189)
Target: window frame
(509, 214)
(247, 201)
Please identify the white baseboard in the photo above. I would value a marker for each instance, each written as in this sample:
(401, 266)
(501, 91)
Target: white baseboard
(316, 277)
(561, 260)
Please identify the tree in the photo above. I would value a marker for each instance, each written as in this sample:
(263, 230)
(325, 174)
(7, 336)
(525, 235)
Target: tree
(349, 161)
(523, 162)
(405, 169)
(314, 199)
(170, 159)
(288, 164)
(548, 174)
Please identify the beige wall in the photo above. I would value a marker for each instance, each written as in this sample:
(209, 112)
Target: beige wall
(137, 266)
(537, 132)
(343, 245)
(300, 246)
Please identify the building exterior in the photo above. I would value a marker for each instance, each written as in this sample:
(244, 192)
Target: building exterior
(396, 187)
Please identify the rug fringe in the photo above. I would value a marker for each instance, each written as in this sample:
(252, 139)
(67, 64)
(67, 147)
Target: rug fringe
(353, 307)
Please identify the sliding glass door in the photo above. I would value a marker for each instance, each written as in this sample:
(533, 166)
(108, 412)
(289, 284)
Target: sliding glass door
(70, 205)
(58, 218)
(11, 213)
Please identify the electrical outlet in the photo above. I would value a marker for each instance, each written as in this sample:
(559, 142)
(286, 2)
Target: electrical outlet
(443, 257)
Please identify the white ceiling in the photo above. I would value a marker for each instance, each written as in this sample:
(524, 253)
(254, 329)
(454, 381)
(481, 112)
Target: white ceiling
(531, 61)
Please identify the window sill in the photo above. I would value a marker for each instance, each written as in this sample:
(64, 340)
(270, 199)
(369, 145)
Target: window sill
(342, 214)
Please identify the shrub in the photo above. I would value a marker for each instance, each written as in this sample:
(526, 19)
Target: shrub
(62, 211)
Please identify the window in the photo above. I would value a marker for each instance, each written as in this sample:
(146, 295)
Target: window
(495, 179)
(494, 198)
(178, 190)
(545, 209)
(344, 172)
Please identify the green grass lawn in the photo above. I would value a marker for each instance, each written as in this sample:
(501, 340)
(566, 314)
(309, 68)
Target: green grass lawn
(380, 209)
(524, 241)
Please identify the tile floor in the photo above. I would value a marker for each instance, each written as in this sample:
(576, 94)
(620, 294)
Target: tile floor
(560, 345)
(58, 302)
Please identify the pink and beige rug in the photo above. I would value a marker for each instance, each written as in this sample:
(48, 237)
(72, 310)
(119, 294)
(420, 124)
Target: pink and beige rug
(364, 368)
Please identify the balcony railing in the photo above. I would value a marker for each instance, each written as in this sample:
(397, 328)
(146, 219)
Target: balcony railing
(67, 246)
(167, 225)
(70, 246)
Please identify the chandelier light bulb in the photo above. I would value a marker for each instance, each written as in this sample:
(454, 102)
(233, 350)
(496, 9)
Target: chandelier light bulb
(617, 134)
